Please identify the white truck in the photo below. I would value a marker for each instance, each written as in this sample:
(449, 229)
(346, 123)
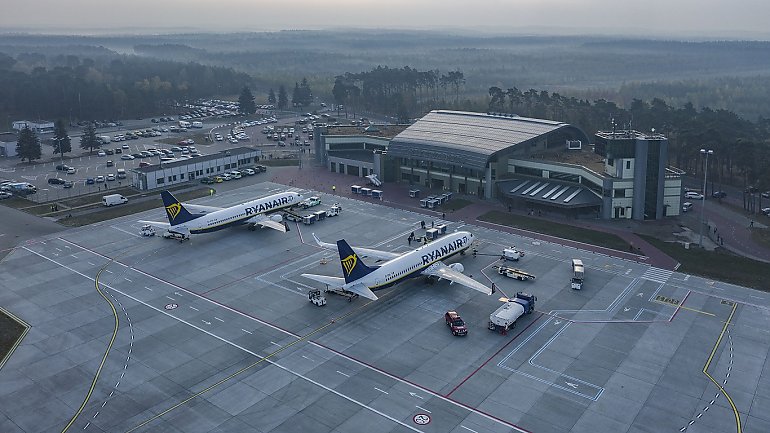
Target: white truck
(197, 124)
(113, 199)
(512, 254)
(504, 318)
(578, 273)
(310, 202)
(515, 273)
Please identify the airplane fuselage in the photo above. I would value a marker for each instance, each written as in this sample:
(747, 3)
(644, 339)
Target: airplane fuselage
(412, 264)
(240, 214)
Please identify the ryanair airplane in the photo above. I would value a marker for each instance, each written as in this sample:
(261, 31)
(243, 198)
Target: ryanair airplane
(186, 219)
(424, 261)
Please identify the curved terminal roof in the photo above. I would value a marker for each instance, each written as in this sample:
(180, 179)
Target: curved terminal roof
(471, 139)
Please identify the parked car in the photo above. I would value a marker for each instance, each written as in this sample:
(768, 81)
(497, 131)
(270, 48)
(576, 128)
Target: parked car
(110, 163)
(71, 170)
(127, 157)
(719, 194)
(766, 194)
(90, 181)
(5, 194)
(62, 167)
(68, 184)
(55, 181)
(686, 206)
(207, 180)
(766, 211)
(99, 178)
(692, 195)
(125, 146)
(110, 177)
(455, 323)
(102, 153)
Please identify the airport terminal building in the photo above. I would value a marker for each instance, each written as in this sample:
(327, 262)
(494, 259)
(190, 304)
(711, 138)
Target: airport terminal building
(528, 163)
(184, 170)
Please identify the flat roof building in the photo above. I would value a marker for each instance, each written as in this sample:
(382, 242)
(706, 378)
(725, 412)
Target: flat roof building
(184, 170)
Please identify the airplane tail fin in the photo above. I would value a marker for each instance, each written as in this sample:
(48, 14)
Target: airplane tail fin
(352, 266)
(175, 211)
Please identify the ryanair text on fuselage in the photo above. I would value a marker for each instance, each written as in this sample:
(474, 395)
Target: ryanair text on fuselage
(264, 207)
(438, 253)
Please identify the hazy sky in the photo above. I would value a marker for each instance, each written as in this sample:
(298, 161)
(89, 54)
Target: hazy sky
(707, 18)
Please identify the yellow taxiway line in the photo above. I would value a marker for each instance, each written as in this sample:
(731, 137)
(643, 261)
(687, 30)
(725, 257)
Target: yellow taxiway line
(708, 363)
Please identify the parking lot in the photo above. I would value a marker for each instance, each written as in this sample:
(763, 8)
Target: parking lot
(92, 166)
(217, 334)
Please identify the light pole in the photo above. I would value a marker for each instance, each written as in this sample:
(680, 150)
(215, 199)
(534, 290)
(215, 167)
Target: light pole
(703, 205)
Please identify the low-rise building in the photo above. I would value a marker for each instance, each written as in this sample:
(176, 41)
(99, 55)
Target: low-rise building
(183, 170)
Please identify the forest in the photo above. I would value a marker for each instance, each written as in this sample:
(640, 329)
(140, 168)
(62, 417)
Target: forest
(36, 86)
(731, 75)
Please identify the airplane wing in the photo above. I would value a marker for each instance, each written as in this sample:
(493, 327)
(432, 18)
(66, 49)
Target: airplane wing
(361, 290)
(363, 252)
(339, 283)
(441, 270)
(201, 209)
(264, 221)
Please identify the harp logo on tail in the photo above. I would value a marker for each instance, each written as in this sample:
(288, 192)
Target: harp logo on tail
(349, 263)
(173, 210)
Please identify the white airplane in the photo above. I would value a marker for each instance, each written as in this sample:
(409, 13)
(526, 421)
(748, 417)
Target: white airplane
(424, 261)
(206, 219)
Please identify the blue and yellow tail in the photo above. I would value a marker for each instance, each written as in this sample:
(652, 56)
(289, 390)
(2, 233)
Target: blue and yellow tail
(352, 266)
(175, 211)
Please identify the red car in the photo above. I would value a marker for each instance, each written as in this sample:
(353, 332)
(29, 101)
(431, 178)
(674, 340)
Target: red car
(455, 323)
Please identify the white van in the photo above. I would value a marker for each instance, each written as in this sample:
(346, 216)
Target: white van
(113, 199)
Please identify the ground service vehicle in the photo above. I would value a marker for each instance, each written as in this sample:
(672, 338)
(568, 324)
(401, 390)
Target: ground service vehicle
(515, 273)
(504, 318)
(455, 323)
(578, 272)
(512, 254)
(113, 199)
(334, 210)
(310, 202)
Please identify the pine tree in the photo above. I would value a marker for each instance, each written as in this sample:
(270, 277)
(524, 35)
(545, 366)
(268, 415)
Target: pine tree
(61, 141)
(283, 98)
(88, 140)
(296, 98)
(271, 97)
(28, 146)
(306, 95)
(246, 101)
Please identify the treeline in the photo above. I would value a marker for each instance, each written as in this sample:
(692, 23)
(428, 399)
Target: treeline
(34, 86)
(401, 93)
(741, 147)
